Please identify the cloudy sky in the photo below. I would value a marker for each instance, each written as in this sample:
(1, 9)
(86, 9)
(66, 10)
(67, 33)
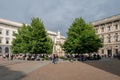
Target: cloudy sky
(58, 15)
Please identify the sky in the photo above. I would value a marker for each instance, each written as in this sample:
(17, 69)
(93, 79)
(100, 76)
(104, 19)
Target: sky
(58, 15)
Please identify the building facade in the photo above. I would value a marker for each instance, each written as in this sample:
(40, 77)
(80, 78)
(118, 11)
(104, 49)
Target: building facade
(108, 30)
(58, 40)
(7, 28)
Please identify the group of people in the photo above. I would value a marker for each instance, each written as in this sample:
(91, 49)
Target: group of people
(4, 56)
(83, 57)
(53, 57)
(37, 57)
(22, 56)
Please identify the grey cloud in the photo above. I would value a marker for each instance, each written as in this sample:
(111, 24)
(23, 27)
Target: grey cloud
(58, 15)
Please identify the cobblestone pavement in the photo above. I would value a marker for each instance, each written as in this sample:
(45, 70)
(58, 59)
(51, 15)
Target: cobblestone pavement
(70, 71)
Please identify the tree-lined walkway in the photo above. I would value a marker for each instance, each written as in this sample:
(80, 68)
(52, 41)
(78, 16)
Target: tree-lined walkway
(70, 71)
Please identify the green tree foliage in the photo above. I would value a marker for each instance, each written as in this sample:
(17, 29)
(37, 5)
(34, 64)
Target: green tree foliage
(81, 38)
(32, 38)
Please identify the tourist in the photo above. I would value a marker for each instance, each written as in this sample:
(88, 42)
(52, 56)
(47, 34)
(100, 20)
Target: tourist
(54, 59)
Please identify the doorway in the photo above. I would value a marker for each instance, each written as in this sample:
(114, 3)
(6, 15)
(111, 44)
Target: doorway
(109, 52)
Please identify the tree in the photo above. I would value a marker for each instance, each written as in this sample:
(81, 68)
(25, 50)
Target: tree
(81, 38)
(19, 43)
(32, 38)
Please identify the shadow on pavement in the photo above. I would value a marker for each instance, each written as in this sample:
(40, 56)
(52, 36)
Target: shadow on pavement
(7, 74)
(109, 65)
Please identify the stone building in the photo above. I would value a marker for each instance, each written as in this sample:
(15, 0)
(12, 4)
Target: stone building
(108, 30)
(7, 28)
(58, 40)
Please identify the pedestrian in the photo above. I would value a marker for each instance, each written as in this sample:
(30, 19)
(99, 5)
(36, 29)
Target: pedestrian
(4, 56)
(54, 59)
(71, 58)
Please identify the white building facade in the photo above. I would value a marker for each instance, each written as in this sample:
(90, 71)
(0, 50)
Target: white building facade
(7, 28)
(58, 40)
(108, 30)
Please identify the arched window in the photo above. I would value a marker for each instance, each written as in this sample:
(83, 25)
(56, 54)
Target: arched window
(0, 49)
(6, 50)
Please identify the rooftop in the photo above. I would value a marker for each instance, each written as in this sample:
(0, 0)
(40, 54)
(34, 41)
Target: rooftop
(106, 20)
(4, 21)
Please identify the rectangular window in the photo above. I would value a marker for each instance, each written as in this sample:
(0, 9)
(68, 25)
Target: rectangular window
(116, 36)
(109, 38)
(7, 32)
(7, 41)
(102, 51)
(116, 51)
(102, 38)
(116, 26)
(0, 31)
(0, 40)
(108, 28)
(102, 29)
(13, 33)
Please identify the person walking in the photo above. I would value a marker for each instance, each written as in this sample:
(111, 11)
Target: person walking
(71, 58)
(54, 59)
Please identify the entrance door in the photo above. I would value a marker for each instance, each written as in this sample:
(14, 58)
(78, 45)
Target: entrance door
(116, 51)
(109, 53)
